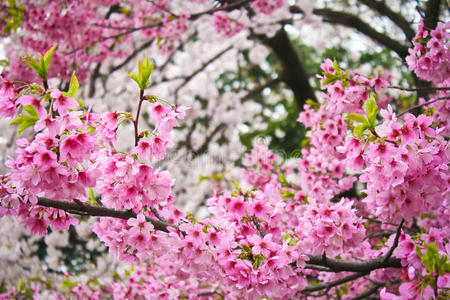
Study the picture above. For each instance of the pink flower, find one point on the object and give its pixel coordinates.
(238, 206)
(262, 245)
(29, 100)
(142, 149)
(62, 103)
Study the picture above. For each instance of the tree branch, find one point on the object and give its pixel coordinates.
(432, 10)
(294, 74)
(423, 104)
(201, 68)
(101, 211)
(204, 147)
(396, 18)
(395, 244)
(385, 261)
(369, 292)
(352, 21)
(258, 90)
(331, 284)
(424, 88)
(350, 266)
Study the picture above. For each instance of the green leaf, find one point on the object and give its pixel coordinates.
(336, 66)
(357, 117)
(4, 63)
(371, 108)
(73, 87)
(330, 79)
(31, 110)
(359, 130)
(21, 284)
(202, 178)
(48, 56)
(91, 196)
(25, 121)
(135, 77)
(32, 63)
(28, 122)
(145, 69)
(312, 103)
(246, 248)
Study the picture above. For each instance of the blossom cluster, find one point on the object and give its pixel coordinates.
(259, 240)
(430, 56)
(330, 229)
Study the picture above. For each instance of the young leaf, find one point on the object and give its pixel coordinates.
(371, 108)
(31, 110)
(135, 77)
(32, 63)
(359, 130)
(73, 87)
(357, 117)
(25, 121)
(336, 66)
(48, 56)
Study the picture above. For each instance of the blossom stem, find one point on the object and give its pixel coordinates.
(136, 120)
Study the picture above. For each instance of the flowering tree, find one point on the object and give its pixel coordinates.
(364, 211)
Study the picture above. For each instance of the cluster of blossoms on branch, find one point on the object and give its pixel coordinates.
(91, 31)
(273, 238)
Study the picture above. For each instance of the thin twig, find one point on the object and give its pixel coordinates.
(334, 283)
(425, 88)
(258, 226)
(369, 292)
(395, 244)
(136, 120)
(155, 212)
(423, 104)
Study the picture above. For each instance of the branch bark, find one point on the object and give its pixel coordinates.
(396, 18)
(331, 284)
(294, 74)
(100, 211)
(352, 21)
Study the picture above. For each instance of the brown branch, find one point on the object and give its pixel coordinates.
(395, 244)
(193, 17)
(157, 215)
(131, 56)
(258, 90)
(203, 66)
(331, 284)
(396, 18)
(424, 88)
(293, 74)
(258, 226)
(350, 266)
(101, 211)
(423, 104)
(204, 147)
(317, 268)
(432, 10)
(385, 261)
(369, 292)
(193, 74)
(136, 120)
(352, 21)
